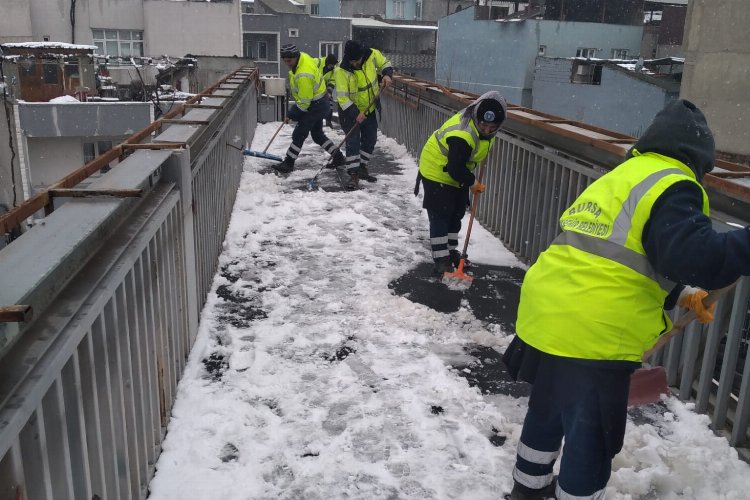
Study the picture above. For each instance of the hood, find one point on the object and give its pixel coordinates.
(470, 112)
(680, 131)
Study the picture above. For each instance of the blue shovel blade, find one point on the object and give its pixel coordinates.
(259, 154)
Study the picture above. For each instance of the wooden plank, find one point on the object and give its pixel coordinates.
(94, 193)
(15, 314)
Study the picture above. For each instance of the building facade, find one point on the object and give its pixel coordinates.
(610, 95)
(501, 55)
(717, 74)
(264, 34)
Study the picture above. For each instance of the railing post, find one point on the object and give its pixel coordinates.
(177, 169)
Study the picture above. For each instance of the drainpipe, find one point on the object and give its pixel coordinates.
(72, 21)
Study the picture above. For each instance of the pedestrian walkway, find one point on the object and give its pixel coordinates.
(329, 364)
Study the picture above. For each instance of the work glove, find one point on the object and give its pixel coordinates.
(477, 187)
(692, 299)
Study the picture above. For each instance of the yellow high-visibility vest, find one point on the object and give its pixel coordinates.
(593, 293)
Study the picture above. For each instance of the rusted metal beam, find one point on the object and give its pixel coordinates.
(94, 193)
(17, 215)
(205, 106)
(177, 121)
(156, 145)
(15, 314)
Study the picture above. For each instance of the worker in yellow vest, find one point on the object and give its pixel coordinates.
(446, 170)
(357, 94)
(311, 105)
(595, 301)
(327, 64)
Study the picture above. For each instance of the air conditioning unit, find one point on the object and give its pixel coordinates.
(275, 86)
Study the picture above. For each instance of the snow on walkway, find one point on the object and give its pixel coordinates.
(311, 379)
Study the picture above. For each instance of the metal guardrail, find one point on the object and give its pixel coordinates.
(116, 285)
(539, 165)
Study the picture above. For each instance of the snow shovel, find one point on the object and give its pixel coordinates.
(312, 183)
(267, 156)
(648, 384)
(458, 279)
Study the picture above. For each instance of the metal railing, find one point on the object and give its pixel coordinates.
(115, 285)
(537, 168)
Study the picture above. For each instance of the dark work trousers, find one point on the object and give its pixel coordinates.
(446, 206)
(588, 406)
(309, 123)
(361, 143)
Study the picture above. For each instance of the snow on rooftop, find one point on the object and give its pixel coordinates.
(366, 22)
(47, 45)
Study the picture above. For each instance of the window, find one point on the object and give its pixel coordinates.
(50, 73)
(542, 50)
(314, 9)
(118, 43)
(587, 53)
(418, 10)
(619, 53)
(262, 51)
(45, 38)
(398, 9)
(330, 48)
(585, 72)
(293, 32)
(93, 149)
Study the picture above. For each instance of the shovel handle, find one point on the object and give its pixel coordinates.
(687, 318)
(473, 210)
(274, 136)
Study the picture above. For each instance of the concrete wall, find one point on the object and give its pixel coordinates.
(52, 158)
(330, 8)
(83, 119)
(10, 175)
(15, 21)
(170, 27)
(179, 28)
(717, 69)
(432, 10)
(52, 18)
(355, 8)
(213, 68)
(621, 102)
(504, 60)
(312, 31)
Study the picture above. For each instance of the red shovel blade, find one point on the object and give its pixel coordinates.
(647, 385)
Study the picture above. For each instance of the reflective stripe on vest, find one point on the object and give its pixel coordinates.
(613, 246)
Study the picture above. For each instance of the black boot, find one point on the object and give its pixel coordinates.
(365, 175)
(285, 166)
(521, 492)
(337, 160)
(353, 182)
(443, 265)
(456, 258)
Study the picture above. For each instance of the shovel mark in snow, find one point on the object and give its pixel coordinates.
(229, 453)
(216, 364)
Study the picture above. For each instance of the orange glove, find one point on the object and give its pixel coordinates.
(477, 187)
(692, 298)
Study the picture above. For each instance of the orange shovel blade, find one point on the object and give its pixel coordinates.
(458, 278)
(647, 385)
